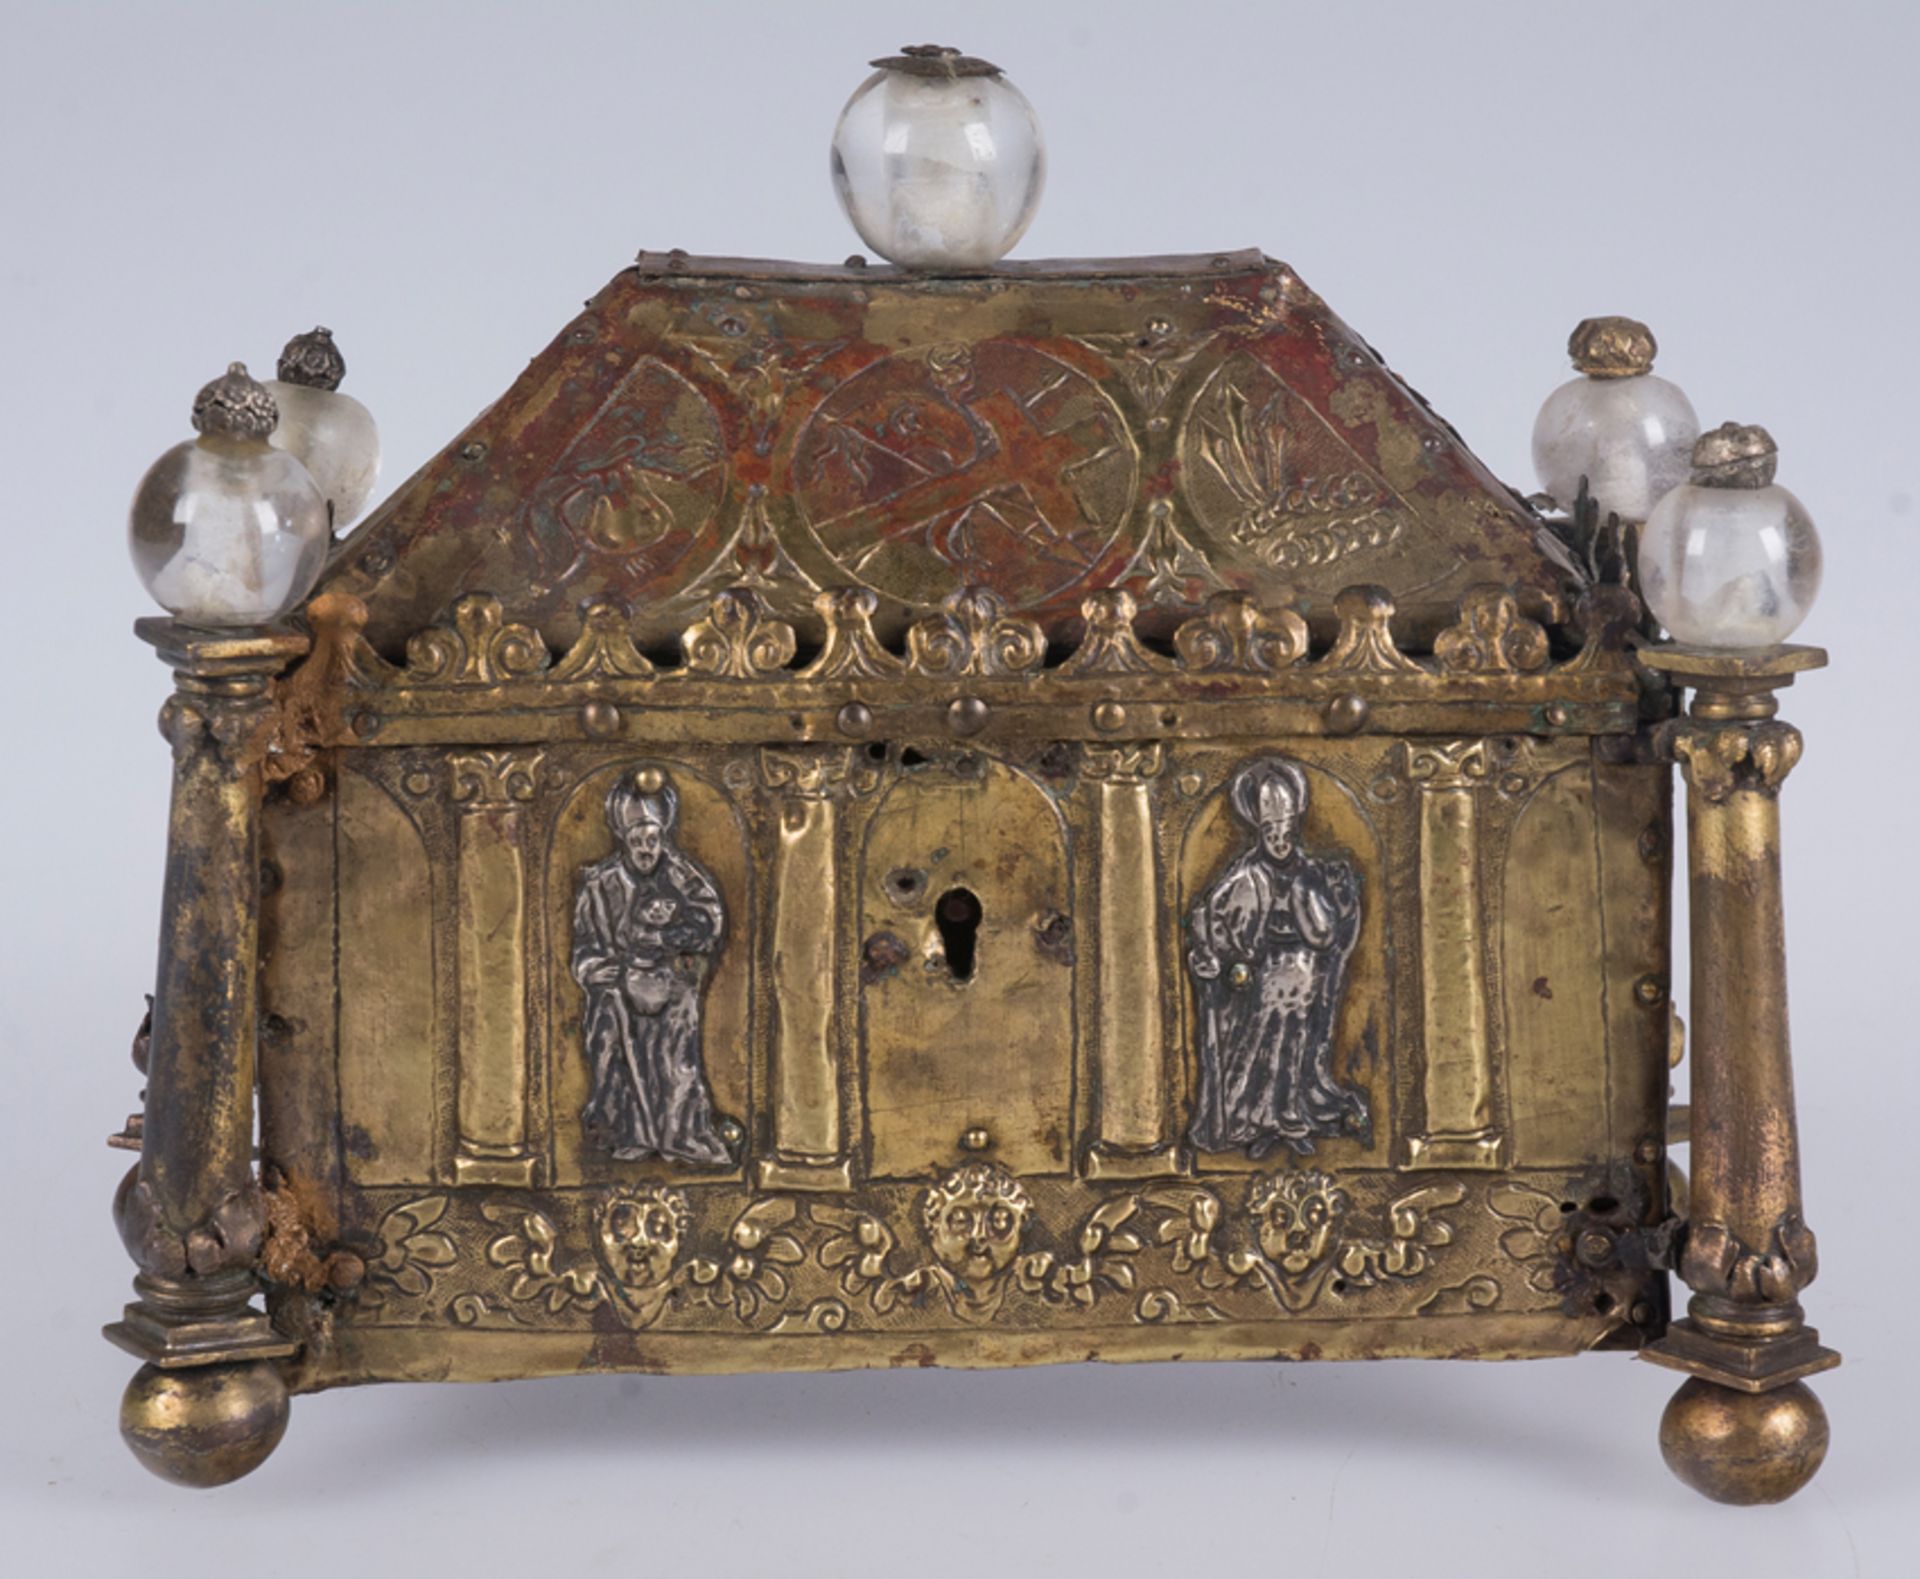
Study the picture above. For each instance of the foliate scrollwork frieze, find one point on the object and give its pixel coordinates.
(1720, 758)
(1491, 636)
(974, 635)
(479, 647)
(1236, 634)
(738, 640)
(970, 1247)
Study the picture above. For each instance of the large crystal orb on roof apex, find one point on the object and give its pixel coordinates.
(938, 160)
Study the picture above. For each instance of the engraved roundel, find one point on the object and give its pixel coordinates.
(991, 464)
(637, 482)
(1270, 484)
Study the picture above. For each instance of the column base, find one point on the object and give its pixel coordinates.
(513, 1173)
(173, 1326)
(1485, 1148)
(830, 1175)
(1758, 1365)
(1107, 1161)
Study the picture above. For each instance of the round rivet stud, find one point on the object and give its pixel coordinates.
(1109, 716)
(975, 1139)
(855, 719)
(1558, 715)
(366, 723)
(1345, 714)
(1594, 1247)
(1650, 990)
(966, 715)
(307, 786)
(650, 780)
(600, 719)
(1648, 1151)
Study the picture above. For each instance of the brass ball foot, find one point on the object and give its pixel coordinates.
(205, 1425)
(1744, 1448)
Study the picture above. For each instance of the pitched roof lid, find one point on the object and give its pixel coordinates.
(1174, 426)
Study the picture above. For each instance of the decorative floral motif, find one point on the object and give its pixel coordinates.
(478, 648)
(973, 634)
(1110, 646)
(1491, 637)
(605, 650)
(738, 640)
(851, 651)
(410, 1248)
(1365, 644)
(1235, 633)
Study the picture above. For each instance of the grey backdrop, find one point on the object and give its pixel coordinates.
(443, 185)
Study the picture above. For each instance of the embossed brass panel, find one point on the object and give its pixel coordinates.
(986, 1043)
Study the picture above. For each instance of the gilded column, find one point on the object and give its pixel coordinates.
(1130, 1037)
(809, 1145)
(490, 964)
(1455, 1032)
(1744, 1428)
(207, 1406)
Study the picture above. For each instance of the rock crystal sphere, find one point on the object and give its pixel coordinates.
(225, 530)
(938, 160)
(332, 434)
(1730, 559)
(1624, 430)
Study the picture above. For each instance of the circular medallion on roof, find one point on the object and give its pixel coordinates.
(639, 481)
(991, 464)
(1271, 486)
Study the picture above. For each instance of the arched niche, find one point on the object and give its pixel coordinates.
(1334, 824)
(710, 830)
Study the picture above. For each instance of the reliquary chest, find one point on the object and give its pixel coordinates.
(863, 819)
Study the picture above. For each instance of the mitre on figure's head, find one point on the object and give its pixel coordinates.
(1267, 790)
(647, 797)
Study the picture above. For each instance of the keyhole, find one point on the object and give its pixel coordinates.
(958, 918)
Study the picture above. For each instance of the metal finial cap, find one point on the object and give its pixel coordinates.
(936, 60)
(313, 360)
(1735, 455)
(1612, 347)
(236, 406)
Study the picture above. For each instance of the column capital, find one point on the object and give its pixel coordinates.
(1122, 761)
(1719, 757)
